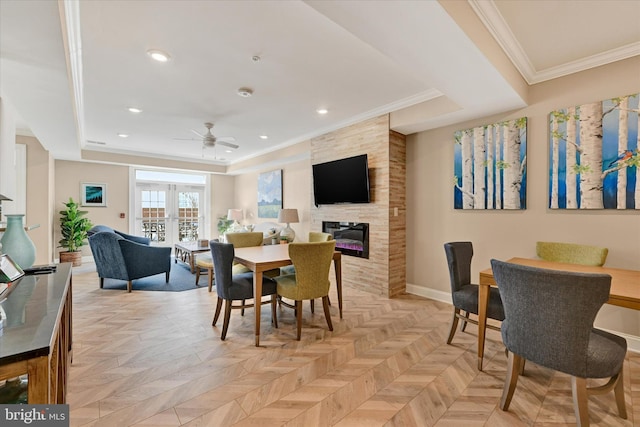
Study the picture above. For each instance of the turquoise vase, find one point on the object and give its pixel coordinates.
(16, 242)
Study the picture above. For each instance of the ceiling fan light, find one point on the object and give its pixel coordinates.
(158, 55)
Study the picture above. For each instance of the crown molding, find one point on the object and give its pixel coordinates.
(501, 32)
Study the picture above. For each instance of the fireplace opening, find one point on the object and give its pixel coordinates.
(352, 238)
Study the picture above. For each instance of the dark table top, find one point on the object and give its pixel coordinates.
(31, 314)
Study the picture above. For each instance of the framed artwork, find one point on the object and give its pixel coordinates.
(490, 166)
(93, 194)
(269, 194)
(593, 155)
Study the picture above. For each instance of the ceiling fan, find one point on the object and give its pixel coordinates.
(209, 140)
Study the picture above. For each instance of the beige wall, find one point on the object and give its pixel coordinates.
(432, 221)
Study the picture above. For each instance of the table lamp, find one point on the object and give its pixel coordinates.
(236, 215)
(288, 216)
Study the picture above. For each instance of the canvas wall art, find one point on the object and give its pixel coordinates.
(593, 155)
(269, 194)
(490, 166)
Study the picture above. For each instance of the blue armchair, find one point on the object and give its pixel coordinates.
(125, 257)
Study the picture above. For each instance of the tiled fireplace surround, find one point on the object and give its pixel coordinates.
(384, 272)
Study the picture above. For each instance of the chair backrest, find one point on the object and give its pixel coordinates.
(459, 255)
(549, 314)
(222, 255)
(245, 239)
(108, 255)
(317, 236)
(312, 262)
(572, 253)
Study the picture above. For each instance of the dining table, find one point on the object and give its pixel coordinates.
(624, 292)
(267, 257)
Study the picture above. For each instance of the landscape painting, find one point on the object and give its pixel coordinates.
(593, 155)
(490, 166)
(269, 194)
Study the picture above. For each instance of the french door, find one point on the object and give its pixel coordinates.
(169, 213)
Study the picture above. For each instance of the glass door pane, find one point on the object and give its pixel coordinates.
(190, 217)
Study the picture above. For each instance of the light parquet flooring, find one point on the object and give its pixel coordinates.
(153, 359)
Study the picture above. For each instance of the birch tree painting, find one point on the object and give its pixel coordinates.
(490, 166)
(594, 157)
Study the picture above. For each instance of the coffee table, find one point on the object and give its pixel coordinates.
(185, 252)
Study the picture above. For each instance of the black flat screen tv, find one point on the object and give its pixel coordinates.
(341, 181)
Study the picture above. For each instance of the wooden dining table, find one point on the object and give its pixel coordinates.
(263, 258)
(624, 292)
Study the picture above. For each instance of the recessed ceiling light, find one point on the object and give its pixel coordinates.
(264, 137)
(228, 151)
(135, 110)
(322, 111)
(158, 55)
(123, 135)
(245, 92)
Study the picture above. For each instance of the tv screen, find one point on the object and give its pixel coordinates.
(341, 181)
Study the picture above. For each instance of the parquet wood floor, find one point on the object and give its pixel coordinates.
(153, 359)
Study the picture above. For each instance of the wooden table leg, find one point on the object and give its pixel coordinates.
(257, 298)
(483, 305)
(337, 263)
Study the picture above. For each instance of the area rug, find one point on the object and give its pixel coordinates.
(180, 279)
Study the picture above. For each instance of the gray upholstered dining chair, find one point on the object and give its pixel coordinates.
(465, 294)
(568, 301)
(236, 287)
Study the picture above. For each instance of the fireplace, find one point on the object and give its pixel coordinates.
(352, 238)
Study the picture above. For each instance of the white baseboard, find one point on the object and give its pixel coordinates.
(633, 342)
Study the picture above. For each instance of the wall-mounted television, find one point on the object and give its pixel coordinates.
(341, 181)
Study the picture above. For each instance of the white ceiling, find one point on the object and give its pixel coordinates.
(71, 69)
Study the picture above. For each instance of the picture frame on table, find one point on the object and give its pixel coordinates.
(93, 194)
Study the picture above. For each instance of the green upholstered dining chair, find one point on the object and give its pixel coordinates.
(312, 262)
(314, 236)
(243, 240)
(571, 253)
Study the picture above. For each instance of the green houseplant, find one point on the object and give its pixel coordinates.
(73, 228)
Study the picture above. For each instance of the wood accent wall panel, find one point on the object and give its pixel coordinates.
(372, 137)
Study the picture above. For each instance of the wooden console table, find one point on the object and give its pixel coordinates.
(36, 337)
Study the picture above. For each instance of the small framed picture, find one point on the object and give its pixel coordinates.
(9, 270)
(93, 194)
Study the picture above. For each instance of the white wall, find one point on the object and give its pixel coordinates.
(432, 221)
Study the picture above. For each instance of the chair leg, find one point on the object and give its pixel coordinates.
(454, 324)
(129, 285)
(218, 309)
(619, 393)
(580, 401)
(274, 313)
(327, 313)
(510, 382)
(242, 309)
(313, 304)
(101, 282)
(299, 319)
(166, 279)
(197, 275)
(464, 324)
(210, 278)
(227, 316)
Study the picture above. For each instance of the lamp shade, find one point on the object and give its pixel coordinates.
(235, 214)
(288, 215)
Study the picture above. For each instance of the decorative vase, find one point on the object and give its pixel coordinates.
(16, 242)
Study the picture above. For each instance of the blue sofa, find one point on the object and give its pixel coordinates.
(125, 257)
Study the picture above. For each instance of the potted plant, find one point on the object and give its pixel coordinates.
(223, 225)
(73, 227)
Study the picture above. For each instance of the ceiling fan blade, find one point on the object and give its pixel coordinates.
(226, 138)
(197, 133)
(226, 144)
(185, 139)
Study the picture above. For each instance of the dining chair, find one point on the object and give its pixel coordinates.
(236, 287)
(572, 253)
(464, 294)
(314, 236)
(311, 278)
(568, 301)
